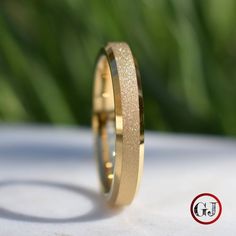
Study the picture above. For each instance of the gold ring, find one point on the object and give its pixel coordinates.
(118, 123)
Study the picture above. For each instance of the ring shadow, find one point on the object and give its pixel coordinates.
(100, 210)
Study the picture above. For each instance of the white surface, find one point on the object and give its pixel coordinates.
(49, 185)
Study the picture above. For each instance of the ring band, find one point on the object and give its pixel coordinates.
(118, 123)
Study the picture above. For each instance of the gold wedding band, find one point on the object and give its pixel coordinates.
(118, 123)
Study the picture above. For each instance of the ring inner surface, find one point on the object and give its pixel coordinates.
(104, 118)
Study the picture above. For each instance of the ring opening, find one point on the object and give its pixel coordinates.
(104, 122)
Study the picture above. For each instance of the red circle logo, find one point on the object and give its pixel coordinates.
(206, 208)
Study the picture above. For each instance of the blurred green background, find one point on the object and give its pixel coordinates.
(186, 52)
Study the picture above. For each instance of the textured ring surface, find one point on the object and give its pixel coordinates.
(118, 123)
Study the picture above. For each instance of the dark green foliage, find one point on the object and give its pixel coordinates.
(186, 51)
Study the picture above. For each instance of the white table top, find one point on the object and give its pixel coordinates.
(49, 185)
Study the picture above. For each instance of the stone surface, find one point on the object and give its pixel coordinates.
(49, 185)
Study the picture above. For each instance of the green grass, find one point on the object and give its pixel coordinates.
(186, 52)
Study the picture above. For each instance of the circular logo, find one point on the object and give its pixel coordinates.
(206, 208)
